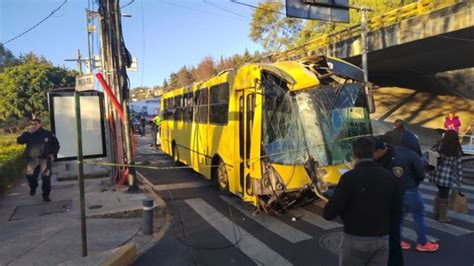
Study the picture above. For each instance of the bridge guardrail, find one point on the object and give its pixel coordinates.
(387, 19)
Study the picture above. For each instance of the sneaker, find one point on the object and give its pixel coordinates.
(46, 198)
(428, 247)
(405, 245)
(32, 191)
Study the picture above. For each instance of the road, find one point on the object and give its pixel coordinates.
(211, 228)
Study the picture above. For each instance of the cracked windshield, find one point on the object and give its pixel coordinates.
(332, 117)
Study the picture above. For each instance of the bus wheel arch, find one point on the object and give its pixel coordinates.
(175, 153)
(219, 173)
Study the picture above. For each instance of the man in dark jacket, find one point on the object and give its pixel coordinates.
(368, 199)
(400, 136)
(41, 147)
(408, 167)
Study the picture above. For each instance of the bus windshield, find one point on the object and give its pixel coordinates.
(321, 122)
(334, 117)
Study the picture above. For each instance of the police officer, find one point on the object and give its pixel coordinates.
(156, 135)
(407, 166)
(41, 147)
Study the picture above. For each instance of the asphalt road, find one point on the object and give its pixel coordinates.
(210, 228)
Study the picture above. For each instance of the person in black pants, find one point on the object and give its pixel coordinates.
(368, 199)
(41, 147)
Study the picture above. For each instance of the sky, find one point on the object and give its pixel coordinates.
(164, 35)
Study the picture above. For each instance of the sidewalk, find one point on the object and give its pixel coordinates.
(33, 232)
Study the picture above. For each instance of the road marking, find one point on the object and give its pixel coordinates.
(448, 228)
(432, 197)
(411, 234)
(180, 186)
(249, 245)
(435, 189)
(314, 219)
(271, 223)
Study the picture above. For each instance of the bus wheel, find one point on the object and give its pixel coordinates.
(222, 178)
(175, 155)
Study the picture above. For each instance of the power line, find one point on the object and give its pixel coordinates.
(37, 24)
(257, 7)
(202, 11)
(143, 47)
(225, 9)
(129, 3)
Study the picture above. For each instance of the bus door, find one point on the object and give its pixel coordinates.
(246, 121)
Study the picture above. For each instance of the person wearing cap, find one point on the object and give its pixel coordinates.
(395, 257)
(406, 165)
(368, 199)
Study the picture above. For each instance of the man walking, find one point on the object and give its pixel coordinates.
(407, 166)
(41, 147)
(368, 199)
(400, 136)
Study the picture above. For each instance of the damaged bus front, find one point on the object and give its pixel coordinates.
(308, 128)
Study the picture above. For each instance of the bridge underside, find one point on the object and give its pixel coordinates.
(450, 51)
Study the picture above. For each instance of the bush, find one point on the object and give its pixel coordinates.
(12, 161)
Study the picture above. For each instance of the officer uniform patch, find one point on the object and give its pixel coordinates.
(397, 171)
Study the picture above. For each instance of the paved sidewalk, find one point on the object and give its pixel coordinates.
(33, 232)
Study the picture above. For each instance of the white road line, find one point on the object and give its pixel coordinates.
(249, 245)
(432, 197)
(411, 234)
(435, 189)
(271, 223)
(314, 219)
(452, 214)
(448, 228)
(180, 186)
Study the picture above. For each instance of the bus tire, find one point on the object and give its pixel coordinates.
(222, 178)
(175, 155)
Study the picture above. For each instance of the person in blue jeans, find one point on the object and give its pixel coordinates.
(407, 165)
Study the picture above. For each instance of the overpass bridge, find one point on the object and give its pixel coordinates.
(418, 39)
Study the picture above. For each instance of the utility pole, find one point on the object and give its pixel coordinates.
(115, 66)
(79, 61)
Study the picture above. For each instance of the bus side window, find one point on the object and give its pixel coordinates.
(188, 107)
(201, 104)
(178, 110)
(219, 104)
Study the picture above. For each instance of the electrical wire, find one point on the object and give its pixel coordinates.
(225, 9)
(144, 42)
(129, 3)
(202, 11)
(37, 24)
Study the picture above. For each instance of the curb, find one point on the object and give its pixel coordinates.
(124, 255)
(160, 209)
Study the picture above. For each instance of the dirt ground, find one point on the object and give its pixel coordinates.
(423, 111)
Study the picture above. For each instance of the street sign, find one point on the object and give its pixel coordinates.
(85, 82)
(327, 10)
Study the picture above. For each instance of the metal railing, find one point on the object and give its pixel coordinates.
(390, 18)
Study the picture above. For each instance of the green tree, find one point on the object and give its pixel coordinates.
(276, 33)
(24, 87)
(271, 28)
(7, 59)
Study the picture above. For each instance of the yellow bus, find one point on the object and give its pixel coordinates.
(269, 133)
